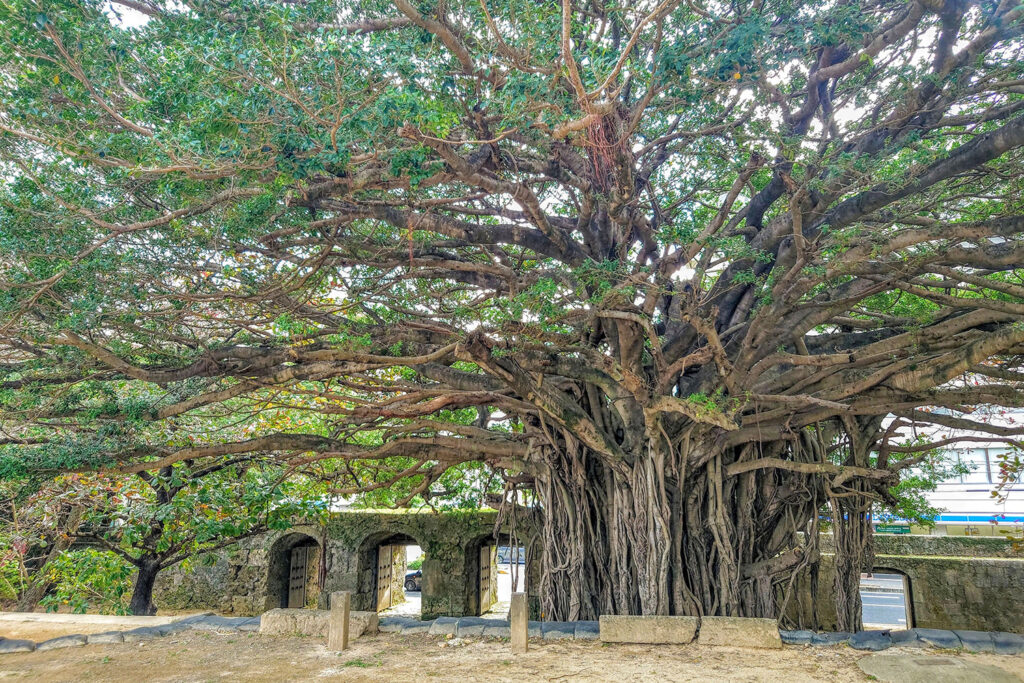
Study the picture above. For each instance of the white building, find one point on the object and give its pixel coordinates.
(966, 500)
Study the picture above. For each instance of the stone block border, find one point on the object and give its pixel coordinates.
(997, 642)
(201, 622)
(484, 627)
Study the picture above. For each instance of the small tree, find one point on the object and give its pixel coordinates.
(156, 519)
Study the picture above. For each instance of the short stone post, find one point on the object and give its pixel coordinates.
(519, 623)
(337, 632)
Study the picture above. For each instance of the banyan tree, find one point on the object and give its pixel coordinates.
(686, 276)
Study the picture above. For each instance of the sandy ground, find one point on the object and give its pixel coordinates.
(204, 656)
(43, 630)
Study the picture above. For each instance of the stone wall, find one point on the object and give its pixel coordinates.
(955, 582)
(246, 579)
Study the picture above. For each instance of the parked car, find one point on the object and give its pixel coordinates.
(505, 555)
(414, 580)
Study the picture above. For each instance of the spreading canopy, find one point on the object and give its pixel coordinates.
(669, 264)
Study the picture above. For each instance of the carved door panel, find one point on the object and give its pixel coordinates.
(384, 569)
(488, 555)
(297, 578)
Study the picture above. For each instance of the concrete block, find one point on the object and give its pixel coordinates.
(142, 633)
(587, 630)
(338, 620)
(250, 625)
(519, 623)
(936, 637)
(468, 627)
(12, 645)
(312, 622)
(363, 624)
(832, 638)
(655, 630)
(1005, 643)
(105, 638)
(503, 631)
(906, 639)
(559, 630)
(219, 623)
(414, 627)
(801, 637)
(76, 640)
(923, 668)
(739, 632)
(871, 640)
(394, 624)
(976, 641)
(444, 626)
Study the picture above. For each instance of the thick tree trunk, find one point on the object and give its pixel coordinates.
(142, 594)
(675, 533)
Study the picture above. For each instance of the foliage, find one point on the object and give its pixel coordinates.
(89, 579)
(669, 267)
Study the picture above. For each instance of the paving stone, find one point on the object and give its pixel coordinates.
(143, 633)
(587, 630)
(937, 637)
(415, 627)
(670, 630)
(11, 645)
(218, 623)
(739, 632)
(830, 638)
(394, 624)
(921, 668)
(502, 631)
(558, 630)
(249, 625)
(801, 637)
(976, 641)
(535, 629)
(870, 640)
(444, 626)
(106, 637)
(906, 639)
(474, 626)
(172, 628)
(76, 640)
(1008, 643)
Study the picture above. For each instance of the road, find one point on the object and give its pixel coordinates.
(884, 601)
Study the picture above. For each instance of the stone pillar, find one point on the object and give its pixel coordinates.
(519, 617)
(341, 605)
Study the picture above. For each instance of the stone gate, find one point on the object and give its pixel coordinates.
(347, 553)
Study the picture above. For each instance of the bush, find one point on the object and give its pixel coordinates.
(89, 578)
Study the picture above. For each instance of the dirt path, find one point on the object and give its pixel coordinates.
(199, 656)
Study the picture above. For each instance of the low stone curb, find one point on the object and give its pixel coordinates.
(997, 642)
(483, 627)
(206, 621)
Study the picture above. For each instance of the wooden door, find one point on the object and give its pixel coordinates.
(488, 554)
(385, 563)
(297, 578)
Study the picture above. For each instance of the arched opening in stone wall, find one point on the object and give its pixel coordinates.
(295, 572)
(496, 567)
(386, 583)
(886, 599)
